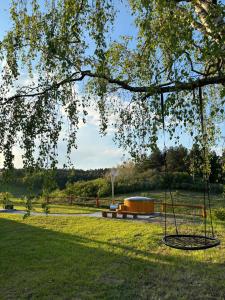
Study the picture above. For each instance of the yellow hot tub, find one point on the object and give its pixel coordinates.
(138, 204)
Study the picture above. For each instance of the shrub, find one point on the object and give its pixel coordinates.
(90, 188)
(138, 182)
(59, 193)
(219, 213)
(217, 188)
(5, 197)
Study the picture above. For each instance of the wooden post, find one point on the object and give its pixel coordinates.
(97, 202)
(204, 215)
(114, 214)
(163, 205)
(104, 214)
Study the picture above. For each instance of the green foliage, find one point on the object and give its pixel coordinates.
(22, 184)
(6, 199)
(176, 159)
(176, 47)
(154, 161)
(28, 200)
(219, 213)
(49, 183)
(180, 159)
(138, 182)
(93, 188)
(45, 208)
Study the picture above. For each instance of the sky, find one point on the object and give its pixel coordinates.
(94, 151)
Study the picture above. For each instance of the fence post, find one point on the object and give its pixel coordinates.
(97, 201)
(204, 214)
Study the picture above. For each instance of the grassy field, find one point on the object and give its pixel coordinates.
(181, 196)
(186, 197)
(88, 258)
(59, 208)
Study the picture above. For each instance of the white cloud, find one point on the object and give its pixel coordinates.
(218, 149)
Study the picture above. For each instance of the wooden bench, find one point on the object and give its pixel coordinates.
(106, 212)
(124, 213)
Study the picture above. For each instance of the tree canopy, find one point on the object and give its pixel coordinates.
(68, 45)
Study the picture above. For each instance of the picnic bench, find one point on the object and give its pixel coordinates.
(124, 213)
(106, 212)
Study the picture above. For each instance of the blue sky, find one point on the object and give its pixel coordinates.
(93, 150)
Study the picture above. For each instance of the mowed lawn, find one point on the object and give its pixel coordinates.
(89, 258)
(58, 208)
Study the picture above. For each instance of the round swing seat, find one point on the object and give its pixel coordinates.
(190, 242)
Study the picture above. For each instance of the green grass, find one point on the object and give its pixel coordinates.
(187, 197)
(89, 258)
(59, 208)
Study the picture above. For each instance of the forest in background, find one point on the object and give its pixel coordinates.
(184, 172)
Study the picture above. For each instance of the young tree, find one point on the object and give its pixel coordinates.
(177, 47)
(154, 161)
(194, 161)
(216, 167)
(176, 158)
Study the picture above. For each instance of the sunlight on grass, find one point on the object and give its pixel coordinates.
(90, 258)
(60, 209)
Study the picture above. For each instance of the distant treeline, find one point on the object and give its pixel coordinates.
(129, 181)
(21, 182)
(184, 170)
(180, 159)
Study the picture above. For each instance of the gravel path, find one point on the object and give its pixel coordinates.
(153, 219)
(22, 212)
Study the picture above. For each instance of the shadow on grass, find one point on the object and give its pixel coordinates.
(39, 263)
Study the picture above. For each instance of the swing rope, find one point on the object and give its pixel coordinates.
(201, 107)
(205, 176)
(189, 241)
(166, 171)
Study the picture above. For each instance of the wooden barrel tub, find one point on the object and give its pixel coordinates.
(139, 204)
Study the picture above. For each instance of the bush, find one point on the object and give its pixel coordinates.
(217, 188)
(58, 193)
(92, 188)
(5, 197)
(219, 213)
(138, 182)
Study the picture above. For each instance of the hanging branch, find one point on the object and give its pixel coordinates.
(150, 90)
